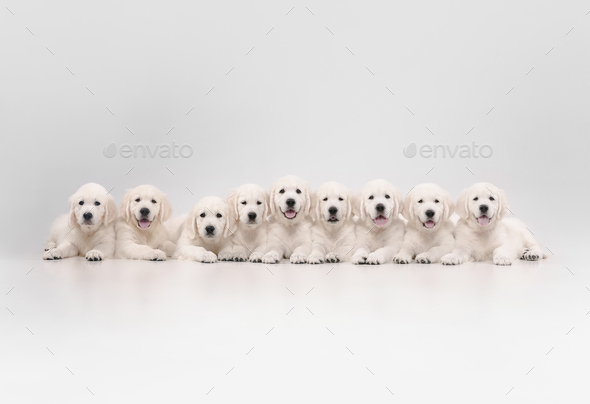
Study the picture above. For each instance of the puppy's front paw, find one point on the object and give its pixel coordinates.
(298, 259)
(332, 257)
(376, 259)
(256, 257)
(271, 258)
(94, 255)
(49, 246)
(315, 258)
(240, 257)
(209, 257)
(402, 259)
(156, 255)
(500, 259)
(424, 258)
(53, 254)
(451, 259)
(532, 255)
(226, 256)
(359, 258)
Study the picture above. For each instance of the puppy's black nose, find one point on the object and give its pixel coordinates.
(429, 213)
(87, 215)
(144, 211)
(333, 210)
(251, 215)
(380, 207)
(290, 202)
(483, 208)
(210, 229)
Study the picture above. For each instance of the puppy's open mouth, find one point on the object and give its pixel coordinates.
(380, 220)
(333, 219)
(429, 224)
(144, 223)
(483, 220)
(290, 214)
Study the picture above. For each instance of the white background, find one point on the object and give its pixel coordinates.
(328, 91)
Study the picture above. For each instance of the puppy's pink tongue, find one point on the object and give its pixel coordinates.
(483, 220)
(290, 214)
(144, 223)
(380, 220)
(429, 224)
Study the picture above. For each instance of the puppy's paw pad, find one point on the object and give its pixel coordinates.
(256, 257)
(157, 255)
(240, 257)
(423, 258)
(94, 255)
(502, 260)
(532, 255)
(298, 259)
(450, 259)
(226, 257)
(209, 257)
(271, 258)
(402, 259)
(332, 257)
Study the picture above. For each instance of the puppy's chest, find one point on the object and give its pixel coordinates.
(250, 239)
(484, 245)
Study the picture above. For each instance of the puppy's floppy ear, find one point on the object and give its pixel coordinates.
(271, 199)
(315, 211)
(398, 200)
(191, 225)
(408, 211)
(126, 206)
(110, 210)
(232, 201)
(462, 206)
(503, 207)
(349, 204)
(227, 221)
(266, 204)
(72, 215)
(449, 206)
(307, 193)
(359, 203)
(165, 209)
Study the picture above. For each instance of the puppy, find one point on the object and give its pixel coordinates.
(249, 207)
(482, 233)
(141, 233)
(332, 233)
(204, 237)
(379, 230)
(289, 229)
(88, 229)
(429, 231)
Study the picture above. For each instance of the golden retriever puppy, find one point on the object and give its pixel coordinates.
(379, 230)
(332, 233)
(204, 238)
(289, 229)
(249, 207)
(141, 234)
(429, 231)
(483, 233)
(87, 230)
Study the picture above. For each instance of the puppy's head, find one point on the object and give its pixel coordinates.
(144, 205)
(379, 201)
(483, 204)
(428, 205)
(332, 203)
(248, 204)
(290, 198)
(209, 219)
(91, 206)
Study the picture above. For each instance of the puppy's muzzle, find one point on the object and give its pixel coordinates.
(210, 230)
(252, 217)
(429, 224)
(332, 211)
(483, 219)
(144, 222)
(87, 218)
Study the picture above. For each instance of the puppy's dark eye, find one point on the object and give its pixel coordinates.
(154, 201)
(137, 200)
(298, 191)
(81, 202)
(492, 198)
(371, 197)
(436, 201)
(97, 203)
(420, 201)
(325, 199)
(219, 215)
(258, 203)
(203, 214)
(340, 199)
(476, 198)
(282, 191)
(244, 202)
(386, 196)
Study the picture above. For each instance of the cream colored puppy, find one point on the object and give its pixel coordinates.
(141, 234)
(429, 231)
(289, 229)
(332, 233)
(482, 233)
(249, 207)
(87, 230)
(204, 238)
(379, 230)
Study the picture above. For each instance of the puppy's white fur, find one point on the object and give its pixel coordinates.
(483, 235)
(429, 231)
(197, 243)
(332, 233)
(379, 230)
(289, 237)
(73, 235)
(144, 243)
(249, 208)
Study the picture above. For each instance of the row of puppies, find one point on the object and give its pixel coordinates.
(332, 225)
